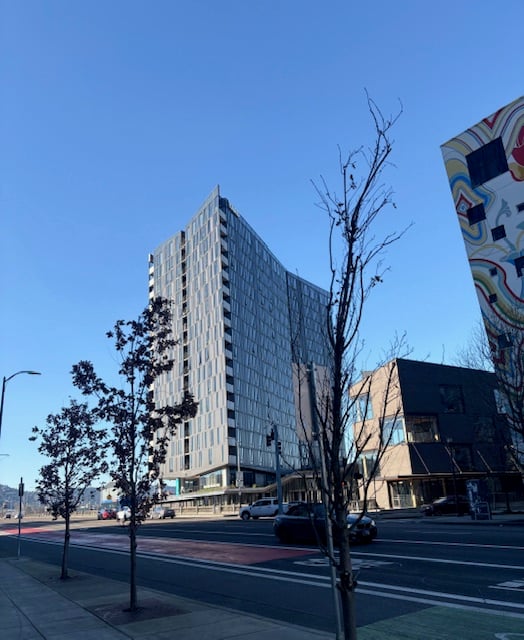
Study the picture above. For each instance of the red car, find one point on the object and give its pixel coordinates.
(106, 514)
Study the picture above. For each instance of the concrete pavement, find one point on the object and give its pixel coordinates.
(35, 605)
(497, 519)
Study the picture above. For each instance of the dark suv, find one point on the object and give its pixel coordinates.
(447, 505)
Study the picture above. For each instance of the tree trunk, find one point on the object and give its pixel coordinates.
(65, 551)
(346, 586)
(133, 601)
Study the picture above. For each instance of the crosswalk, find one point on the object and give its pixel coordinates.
(356, 563)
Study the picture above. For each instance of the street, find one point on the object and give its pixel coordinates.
(413, 565)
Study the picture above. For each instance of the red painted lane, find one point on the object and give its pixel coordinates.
(13, 530)
(216, 551)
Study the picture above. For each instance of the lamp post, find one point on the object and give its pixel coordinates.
(4, 382)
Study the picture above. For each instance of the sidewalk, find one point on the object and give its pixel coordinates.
(498, 520)
(35, 605)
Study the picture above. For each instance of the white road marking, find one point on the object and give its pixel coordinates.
(357, 564)
(490, 565)
(457, 544)
(510, 585)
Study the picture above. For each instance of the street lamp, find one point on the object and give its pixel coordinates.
(4, 382)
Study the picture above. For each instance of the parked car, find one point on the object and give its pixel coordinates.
(106, 514)
(306, 523)
(124, 514)
(161, 513)
(447, 505)
(13, 514)
(264, 508)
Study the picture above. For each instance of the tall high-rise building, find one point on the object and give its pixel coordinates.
(485, 167)
(244, 325)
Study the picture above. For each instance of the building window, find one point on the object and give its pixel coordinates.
(487, 162)
(493, 298)
(452, 398)
(493, 271)
(369, 464)
(500, 402)
(422, 429)
(519, 265)
(498, 232)
(485, 430)
(364, 408)
(476, 214)
(462, 457)
(393, 431)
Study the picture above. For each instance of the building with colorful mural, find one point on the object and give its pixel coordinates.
(485, 167)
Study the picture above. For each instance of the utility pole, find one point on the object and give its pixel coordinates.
(20, 495)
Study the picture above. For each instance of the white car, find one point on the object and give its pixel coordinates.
(264, 508)
(124, 514)
(161, 513)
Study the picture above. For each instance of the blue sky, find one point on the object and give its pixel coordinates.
(118, 118)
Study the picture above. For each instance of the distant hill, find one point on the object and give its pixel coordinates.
(9, 499)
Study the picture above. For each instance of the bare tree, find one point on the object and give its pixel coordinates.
(476, 353)
(356, 270)
(506, 343)
(498, 345)
(74, 447)
(140, 429)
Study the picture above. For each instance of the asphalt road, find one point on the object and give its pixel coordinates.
(412, 566)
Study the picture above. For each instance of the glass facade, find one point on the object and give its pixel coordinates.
(237, 316)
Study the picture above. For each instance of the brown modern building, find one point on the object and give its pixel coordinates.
(440, 428)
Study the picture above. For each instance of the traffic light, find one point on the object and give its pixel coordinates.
(268, 440)
(279, 447)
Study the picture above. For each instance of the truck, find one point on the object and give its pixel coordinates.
(264, 508)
